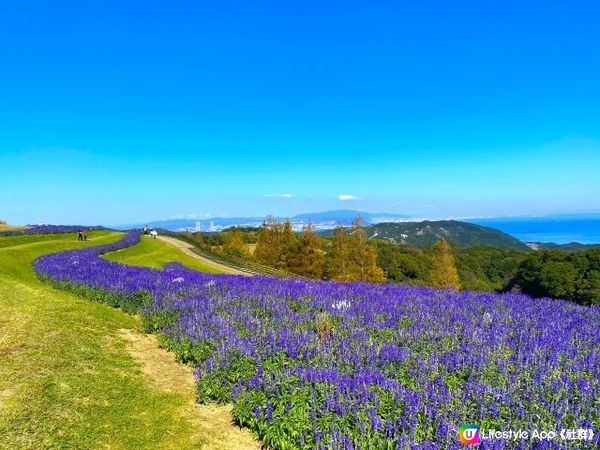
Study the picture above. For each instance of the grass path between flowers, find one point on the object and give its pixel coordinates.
(78, 374)
(156, 252)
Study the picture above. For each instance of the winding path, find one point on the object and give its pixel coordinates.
(188, 249)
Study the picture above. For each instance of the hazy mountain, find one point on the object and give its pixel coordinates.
(322, 220)
(569, 247)
(346, 216)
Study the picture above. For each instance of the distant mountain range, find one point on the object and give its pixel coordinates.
(398, 228)
(569, 247)
(322, 220)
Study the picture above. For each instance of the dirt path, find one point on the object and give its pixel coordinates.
(213, 422)
(187, 248)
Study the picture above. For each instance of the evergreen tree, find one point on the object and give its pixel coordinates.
(444, 273)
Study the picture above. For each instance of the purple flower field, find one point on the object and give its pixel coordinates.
(310, 364)
(45, 229)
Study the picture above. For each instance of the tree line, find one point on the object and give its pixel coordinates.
(551, 273)
(572, 276)
(348, 254)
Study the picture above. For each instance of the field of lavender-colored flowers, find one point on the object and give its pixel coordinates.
(312, 364)
(43, 229)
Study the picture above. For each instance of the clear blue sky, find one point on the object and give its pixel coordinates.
(114, 112)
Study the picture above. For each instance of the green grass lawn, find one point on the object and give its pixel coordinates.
(155, 253)
(78, 374)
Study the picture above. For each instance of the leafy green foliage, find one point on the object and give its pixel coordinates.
(486, 268)
(403, 264)
(550, 273)
(480, 267)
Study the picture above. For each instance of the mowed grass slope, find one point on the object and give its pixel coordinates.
(78, 374)
(155, 253)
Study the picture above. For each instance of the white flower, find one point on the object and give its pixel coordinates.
(342, 304)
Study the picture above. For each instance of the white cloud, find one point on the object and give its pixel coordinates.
(278, 196)
(347, 197)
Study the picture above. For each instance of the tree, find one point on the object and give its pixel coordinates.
(558, 279)
(287, 244)
(308, 257)
(235, 244)
(267, 245)
(588, 288)
(444, 273)
(352, 257)
(275, 244)
(363, 255)
(338, 266)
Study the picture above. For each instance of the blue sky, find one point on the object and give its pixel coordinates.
(113, 113)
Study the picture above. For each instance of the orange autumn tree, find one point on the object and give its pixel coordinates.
(235, 244)
(352, 257)
(308, 257)
(275, 244)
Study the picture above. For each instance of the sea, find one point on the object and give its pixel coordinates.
(556, 229)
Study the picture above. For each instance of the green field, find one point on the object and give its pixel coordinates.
(155, 253)
(79, 374)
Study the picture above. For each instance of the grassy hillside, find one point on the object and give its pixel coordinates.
(155, 253)
(6, 227)
(455, 232)
(78, 374)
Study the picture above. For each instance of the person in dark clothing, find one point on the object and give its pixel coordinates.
(79, 235)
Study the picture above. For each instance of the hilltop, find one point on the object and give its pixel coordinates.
(455, 232)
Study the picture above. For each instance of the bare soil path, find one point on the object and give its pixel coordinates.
(213, 422)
